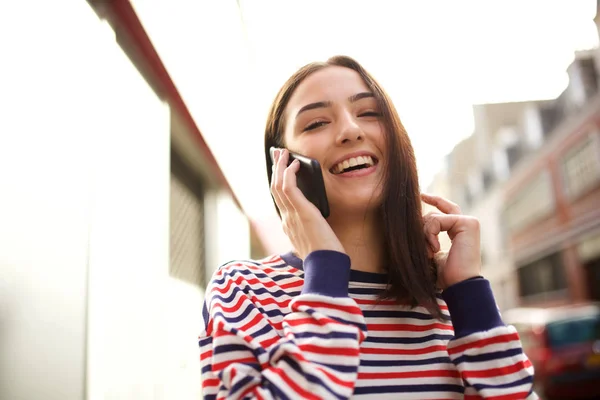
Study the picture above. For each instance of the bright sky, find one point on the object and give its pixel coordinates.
(435, 59)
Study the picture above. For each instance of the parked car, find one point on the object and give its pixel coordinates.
(563, 343)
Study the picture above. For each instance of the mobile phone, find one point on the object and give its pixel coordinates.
(309, 179)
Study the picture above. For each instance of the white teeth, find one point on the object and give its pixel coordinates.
(352, 162)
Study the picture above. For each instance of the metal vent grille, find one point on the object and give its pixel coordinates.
(187, 242)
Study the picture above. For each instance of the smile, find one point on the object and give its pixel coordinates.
(355, 166)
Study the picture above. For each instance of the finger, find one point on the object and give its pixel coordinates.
(438, 223)
(442, 204)
(434, 243)
(294, 195)
(455, 224)
(429, 228)
(277, 182)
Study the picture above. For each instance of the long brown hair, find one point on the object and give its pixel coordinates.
(411, 274)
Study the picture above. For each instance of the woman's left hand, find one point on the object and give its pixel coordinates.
(464, 258)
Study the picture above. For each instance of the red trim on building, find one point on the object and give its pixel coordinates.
(124, 18)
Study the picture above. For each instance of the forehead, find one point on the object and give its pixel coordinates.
(332, 83)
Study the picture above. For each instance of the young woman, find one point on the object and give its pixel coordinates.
(358, 309)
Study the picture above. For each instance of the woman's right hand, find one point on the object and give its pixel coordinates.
(302, 221)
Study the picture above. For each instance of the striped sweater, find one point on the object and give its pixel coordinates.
(278, 329)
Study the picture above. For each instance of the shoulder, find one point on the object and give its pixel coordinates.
(239, 285)
(251, 272)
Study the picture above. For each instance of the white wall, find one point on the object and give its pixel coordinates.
(86, 305)
(228, 231)
(129, 241)
(47, 116)
(204, 48)
(498, 267)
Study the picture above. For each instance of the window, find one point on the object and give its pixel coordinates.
(581, 167)
(542, 276)
(187, 243)
(534, 201)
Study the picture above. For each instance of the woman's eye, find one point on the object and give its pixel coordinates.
(370, 114)
(314, 125)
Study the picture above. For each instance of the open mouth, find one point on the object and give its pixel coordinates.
(353, 164)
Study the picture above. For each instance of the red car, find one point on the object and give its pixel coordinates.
(563, 343)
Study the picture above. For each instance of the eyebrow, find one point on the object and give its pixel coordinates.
(324, 104)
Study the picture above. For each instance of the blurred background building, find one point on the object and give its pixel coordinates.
(114, 215)
(531, 173)
(114, 210)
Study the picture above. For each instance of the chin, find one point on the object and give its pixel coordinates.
(354, 204)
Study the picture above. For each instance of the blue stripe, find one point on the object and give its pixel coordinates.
(409, 389)
(489, 356)
(210, 397)
(239, 318)
(205, 315)
(309, 377)
(205, 341)
(206, 369)
(224, 348)
(524, 381)
(239, 385)
(247, 310)
(409, 340)
(262, 331)
(232, 273)
(362, 327)
(330, 335)
(282, 276)
(404, 362)
(258, 291)
(272, 388)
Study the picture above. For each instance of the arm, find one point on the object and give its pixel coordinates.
(487, 353)
(317, 356)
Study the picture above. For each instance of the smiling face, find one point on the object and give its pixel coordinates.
(334, 118)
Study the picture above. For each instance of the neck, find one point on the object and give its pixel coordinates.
(362, 239)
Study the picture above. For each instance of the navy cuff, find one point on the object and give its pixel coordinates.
(472, 307)
(326, 272)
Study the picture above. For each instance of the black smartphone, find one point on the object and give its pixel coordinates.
(309, 179)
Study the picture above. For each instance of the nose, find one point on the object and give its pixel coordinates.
(349, 130)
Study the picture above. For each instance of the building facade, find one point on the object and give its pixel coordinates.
(114, 210)
(531, 174)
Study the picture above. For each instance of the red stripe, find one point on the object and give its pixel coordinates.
(213, 382)
(408, 327)
(292, 285)
(224, 364)
(240, 303)
(270, 300)
(335, 379)
(293, 385)
(410, 374)
(205, 355)
(336, 351)
(424, 350)
(484, 342)
(312, 321)
(265, 344)
(501, 371)
(243, 279)
(350, 309)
